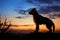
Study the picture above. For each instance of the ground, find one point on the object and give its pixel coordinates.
(30, 36)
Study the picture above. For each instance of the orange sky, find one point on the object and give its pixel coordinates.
(29, 21)
(31, 26)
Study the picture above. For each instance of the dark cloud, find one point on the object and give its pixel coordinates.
(57, 15)
(22, 11)
(43, 1)
(44, 7)
(18, 17)
(48, 9)
(40, 1)
(55, 10)
(22, 16)
(54, 16)
(25, 25)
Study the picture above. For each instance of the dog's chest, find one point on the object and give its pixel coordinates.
(36, 20)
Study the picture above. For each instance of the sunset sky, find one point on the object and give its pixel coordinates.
(17, 11)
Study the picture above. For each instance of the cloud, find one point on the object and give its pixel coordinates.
(19, 17)
(52, 11)
(43, 1)
(23, 16)
(54, 16)
(44, 7)
(22, 11)
(48, 9)
(57, 15)
(25, 25)
(45, 10)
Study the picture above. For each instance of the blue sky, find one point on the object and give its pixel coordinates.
(7, 7)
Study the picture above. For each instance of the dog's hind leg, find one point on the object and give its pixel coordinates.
(49, 28)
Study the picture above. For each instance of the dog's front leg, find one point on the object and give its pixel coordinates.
(37, 27)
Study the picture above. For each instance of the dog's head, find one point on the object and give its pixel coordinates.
(32, 11)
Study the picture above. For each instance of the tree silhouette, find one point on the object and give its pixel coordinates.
(4, 26)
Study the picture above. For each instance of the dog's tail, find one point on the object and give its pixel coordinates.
(53, 28)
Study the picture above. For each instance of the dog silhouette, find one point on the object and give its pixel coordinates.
(38, 19)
